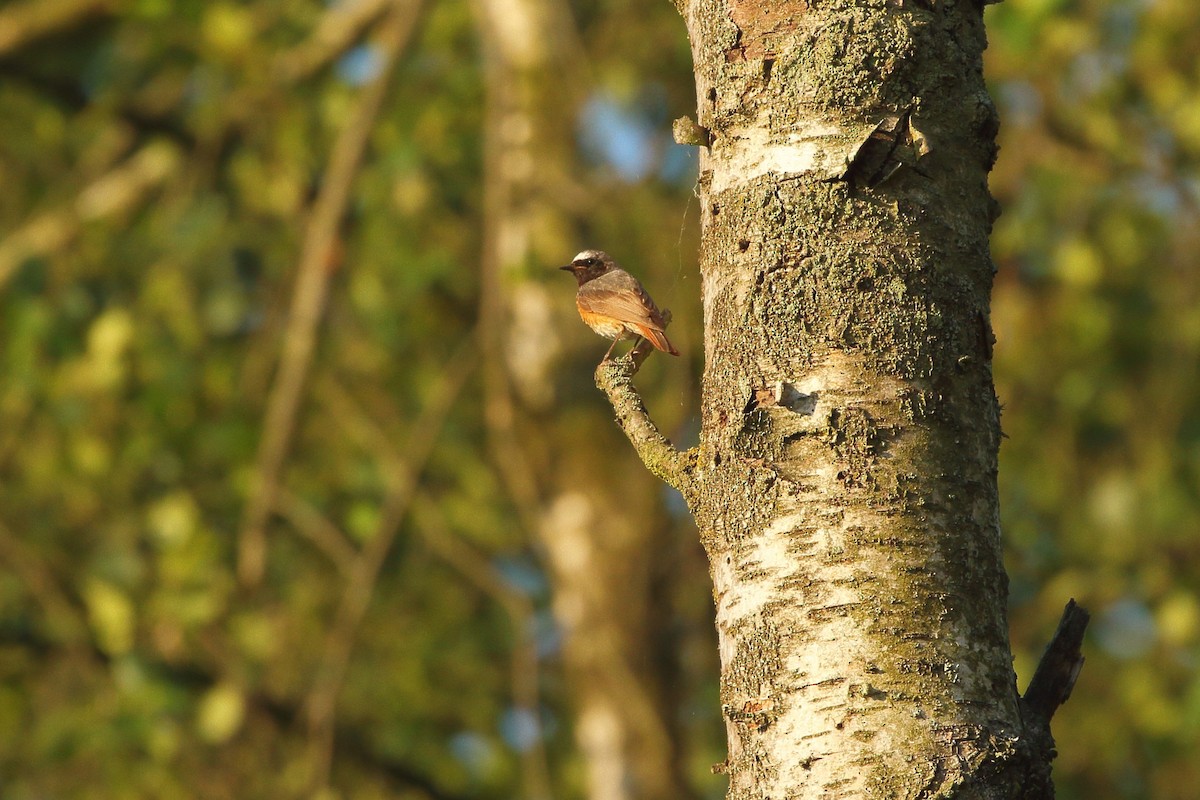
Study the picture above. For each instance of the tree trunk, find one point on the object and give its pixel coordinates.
(845, 481)
(593, 523)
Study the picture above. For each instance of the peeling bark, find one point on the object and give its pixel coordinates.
(845, 480)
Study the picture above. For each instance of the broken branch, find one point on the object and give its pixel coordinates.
(1056, 672)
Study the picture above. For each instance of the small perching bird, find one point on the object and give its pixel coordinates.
(614, 304)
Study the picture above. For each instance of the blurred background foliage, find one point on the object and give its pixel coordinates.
(165, 166)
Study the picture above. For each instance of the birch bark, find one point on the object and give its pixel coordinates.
(845, 480)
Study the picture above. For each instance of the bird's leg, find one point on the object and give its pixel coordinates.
(610, 349)
(640, 352)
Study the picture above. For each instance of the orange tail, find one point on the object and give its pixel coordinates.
(658, 339)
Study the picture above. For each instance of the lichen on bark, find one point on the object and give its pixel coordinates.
(845, 480)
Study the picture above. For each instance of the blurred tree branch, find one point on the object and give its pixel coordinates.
(283, 712)
(525, 672)
(360, 586)
(314, 526)
(22, 23)
(144, 117)
(593, 526)
(61, 613)
(114, 193)
(308, 300)
(339, 27)
(462, 557)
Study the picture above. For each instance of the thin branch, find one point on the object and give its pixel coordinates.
(314, 526)
(398, 776)
(522, 44)
(615, 379)
(43, 586)
(113, 193)
(526, 681)
(360, 587)
(19, 413)
(308, 299)
(22, 23)
(1056, 673)
(142, 116)
(360, 425)
(339, 27)
(507, 449)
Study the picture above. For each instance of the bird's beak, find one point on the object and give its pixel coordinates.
(569, 267)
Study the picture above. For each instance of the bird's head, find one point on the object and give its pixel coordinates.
(590, 264)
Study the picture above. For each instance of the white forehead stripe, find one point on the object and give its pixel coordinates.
(585, 254)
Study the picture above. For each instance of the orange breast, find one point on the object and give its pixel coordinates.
(606, 326)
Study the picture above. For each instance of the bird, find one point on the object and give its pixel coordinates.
(614, 304)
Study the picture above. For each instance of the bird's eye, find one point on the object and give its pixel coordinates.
(591, 262)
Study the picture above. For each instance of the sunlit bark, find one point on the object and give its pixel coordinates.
(845, 481)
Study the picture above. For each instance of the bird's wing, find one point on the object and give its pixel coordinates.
(622, 297)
